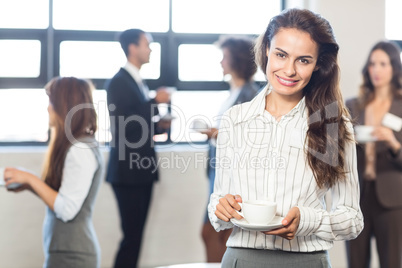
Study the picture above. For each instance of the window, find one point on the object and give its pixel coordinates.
(26, 117)
(188, 106)
(19, 14)
(116, 15)
(199, 63)
(20, 58)
(223, 16)
(94, 59)
(103, 134)
(79, 38)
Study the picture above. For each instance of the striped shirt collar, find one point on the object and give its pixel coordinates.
(257, 107)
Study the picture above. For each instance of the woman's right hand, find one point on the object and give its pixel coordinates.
(228, 207)
(15, 175)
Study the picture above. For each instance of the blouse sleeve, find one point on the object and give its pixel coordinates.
(79, 168)
(223, 172)
(345, 220)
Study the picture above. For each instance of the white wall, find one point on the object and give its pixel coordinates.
(357, 25)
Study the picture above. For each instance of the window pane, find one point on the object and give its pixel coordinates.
(20, 125)
(90, 59)
(29, 14)
(207, 16)
(185, 112)
(200, 63)
(20, 58)
(106, 15)
(24, 118)
(393, 19)
(103, 133)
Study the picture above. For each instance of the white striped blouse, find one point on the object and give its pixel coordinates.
(261, 158)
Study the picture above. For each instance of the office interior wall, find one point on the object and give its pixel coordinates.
(357, 25)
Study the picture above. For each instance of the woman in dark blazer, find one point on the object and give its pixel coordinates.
(380, 159)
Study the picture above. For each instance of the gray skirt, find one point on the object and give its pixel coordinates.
(71, 260)
(263, 258)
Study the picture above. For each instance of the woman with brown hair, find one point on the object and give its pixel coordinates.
(292, 144)
(237, 62)
(72, 173)
(379, 158)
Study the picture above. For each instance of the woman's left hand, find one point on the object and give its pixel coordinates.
(290, 225)
(387, 135)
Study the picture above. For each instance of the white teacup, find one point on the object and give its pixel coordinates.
(258, 211)
(364, 133)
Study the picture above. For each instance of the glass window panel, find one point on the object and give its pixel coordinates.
(24, 118)
(20, 58)
(223, 16)
(103, 133)
(200, 63)
(28, 14)
(185, 112)
(20, 125)
(393, 19)
(93, 59)
(106, 15)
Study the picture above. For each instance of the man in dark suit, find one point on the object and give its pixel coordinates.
(132, 166)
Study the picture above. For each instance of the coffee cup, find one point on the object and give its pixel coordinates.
(363, 133)
(258, 211)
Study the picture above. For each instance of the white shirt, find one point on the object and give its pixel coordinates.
(79, 169)
(260, 158)
(135, 73)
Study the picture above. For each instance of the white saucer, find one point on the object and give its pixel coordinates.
(275, 223)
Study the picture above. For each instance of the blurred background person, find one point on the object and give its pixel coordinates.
(237, 63)
(72, 174)
(128, 100)
(379, 159)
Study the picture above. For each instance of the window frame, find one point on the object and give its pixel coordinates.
(51, 39)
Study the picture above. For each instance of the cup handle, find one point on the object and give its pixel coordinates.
(240, 212)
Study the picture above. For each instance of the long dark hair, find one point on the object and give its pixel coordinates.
(366, 92)
(326, 151)
(65, 94)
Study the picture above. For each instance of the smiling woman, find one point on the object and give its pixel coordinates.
(301, 103)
